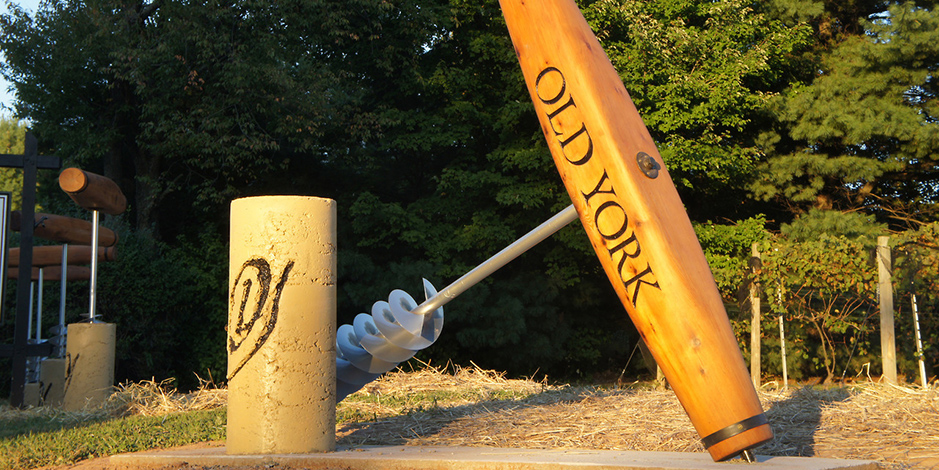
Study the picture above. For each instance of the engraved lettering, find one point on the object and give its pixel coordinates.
(611, 219)
(596, 220)
(560, 93)
(639, 281)
(598, 190)
(587, 153)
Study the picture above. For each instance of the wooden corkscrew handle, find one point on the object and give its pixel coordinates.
(635, 220)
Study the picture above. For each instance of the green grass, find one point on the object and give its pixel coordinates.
(59, 440)
(29, 440)
(46, 436)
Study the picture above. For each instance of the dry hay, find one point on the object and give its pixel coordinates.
(147, 398)
(151, 398)
(896, 426)
(452, 378)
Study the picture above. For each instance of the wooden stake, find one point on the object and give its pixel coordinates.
(52, 255)
(755, 317)
(54, 273)
(61, 229)
(888, 347)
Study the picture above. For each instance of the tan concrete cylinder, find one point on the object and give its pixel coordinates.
(90, 355)
(282, 326)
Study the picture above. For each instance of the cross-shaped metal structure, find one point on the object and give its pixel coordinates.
(30, 161)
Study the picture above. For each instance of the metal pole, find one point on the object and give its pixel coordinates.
(919, 345)
(782, 347)
(94, 265)
(29, 323)
(755, 317)
(39, 307)
(782, 333)
(500, 259)
(62, 285)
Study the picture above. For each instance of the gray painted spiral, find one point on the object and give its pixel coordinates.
(376, 343)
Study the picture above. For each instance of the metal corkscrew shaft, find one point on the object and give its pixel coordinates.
(395, 330)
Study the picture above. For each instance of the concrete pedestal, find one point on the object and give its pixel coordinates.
(90, 357)
(31, 394)
(473, 458)
(282, 326)
(52, 378)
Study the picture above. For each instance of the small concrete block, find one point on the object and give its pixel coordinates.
(474, 458)
(31, 394)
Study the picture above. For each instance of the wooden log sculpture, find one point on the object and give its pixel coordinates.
(92, 191)
(54, 273)
(62, 229)
(635, 221)
(52, 255)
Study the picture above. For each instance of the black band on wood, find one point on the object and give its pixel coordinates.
(734, 429)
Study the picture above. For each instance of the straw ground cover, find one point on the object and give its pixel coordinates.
(896, 426)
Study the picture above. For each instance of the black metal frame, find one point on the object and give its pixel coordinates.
(30, 161)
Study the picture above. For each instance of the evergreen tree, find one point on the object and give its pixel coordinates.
(863, 135)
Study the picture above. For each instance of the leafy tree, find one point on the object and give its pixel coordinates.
(701, 75)
(12, 135)
(828, 287)
(189, 104)
(916, 273)
(728, 251)
(12, 138)
(414, 116)
(464, 171)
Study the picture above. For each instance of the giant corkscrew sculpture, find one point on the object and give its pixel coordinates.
(636, 223)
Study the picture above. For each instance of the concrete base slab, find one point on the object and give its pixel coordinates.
(470, 458)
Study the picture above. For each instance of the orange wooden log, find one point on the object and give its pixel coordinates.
(62, 229)
(54, 273)
(635, 221)
(52, 255)
(93, 191)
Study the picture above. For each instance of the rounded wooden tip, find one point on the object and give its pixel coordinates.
(73, 180)
(93, 191)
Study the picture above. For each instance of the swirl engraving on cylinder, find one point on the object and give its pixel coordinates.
(256, 316)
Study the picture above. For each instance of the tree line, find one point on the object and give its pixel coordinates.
(796, 118)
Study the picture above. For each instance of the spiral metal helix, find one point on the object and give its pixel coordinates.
(397, 329)
(376, 343)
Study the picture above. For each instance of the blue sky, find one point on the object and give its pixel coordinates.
(6, 97)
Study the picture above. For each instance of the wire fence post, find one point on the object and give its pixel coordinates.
(755, 317)
(888, 348)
